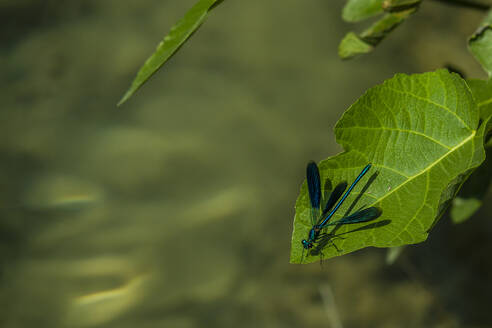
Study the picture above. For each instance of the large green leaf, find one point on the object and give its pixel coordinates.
(172, 42)
(480, 45)
(422, 135)
(470, 197)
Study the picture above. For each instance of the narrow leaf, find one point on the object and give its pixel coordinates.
(178, 34)
(422, 135)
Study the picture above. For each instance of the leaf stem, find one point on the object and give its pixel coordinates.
(467, 3)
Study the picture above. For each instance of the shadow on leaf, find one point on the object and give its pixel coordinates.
(327, 239)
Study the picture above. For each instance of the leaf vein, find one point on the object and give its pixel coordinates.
(437, 161)
(485, 102)
(432, 103)
(398, 130)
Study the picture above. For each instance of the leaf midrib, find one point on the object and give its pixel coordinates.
(398, 130)
(437, 161)
(416, 175)
(410, 178)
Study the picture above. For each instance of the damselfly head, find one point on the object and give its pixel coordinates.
(306, 244)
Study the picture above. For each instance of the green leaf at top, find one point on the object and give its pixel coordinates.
(480, 45)
(421, 133)
(353, 45)
(178, 34)
(357, 10)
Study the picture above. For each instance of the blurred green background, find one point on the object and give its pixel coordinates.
(176, 209)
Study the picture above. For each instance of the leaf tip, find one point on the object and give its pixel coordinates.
(352, 45)
(125, 97)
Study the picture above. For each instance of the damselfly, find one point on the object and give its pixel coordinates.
(320, 221)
